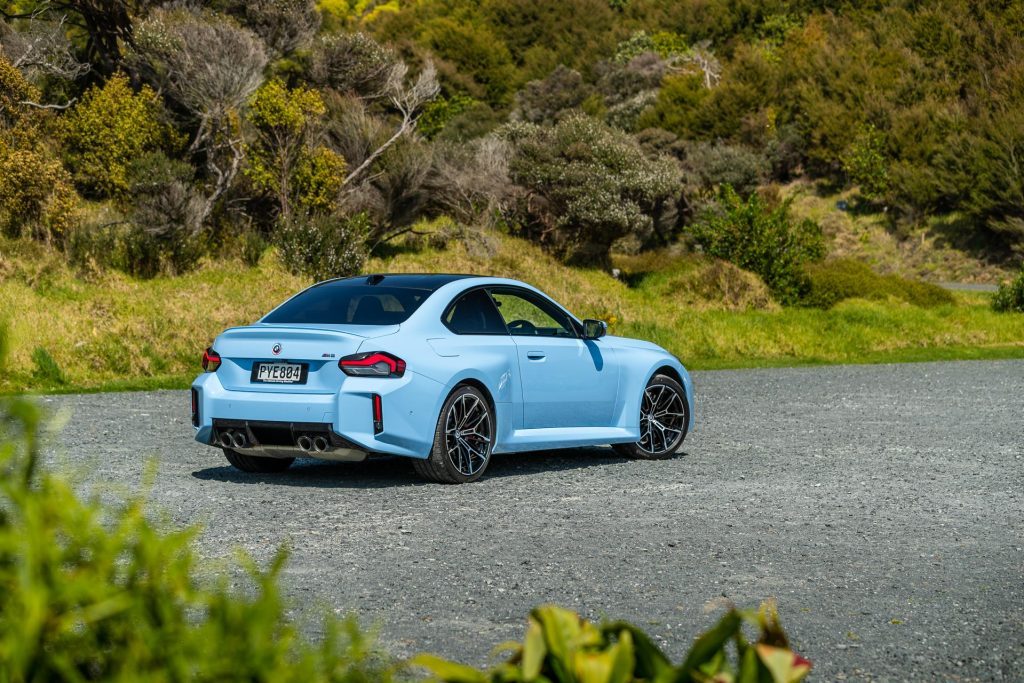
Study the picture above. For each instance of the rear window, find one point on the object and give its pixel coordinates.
(344, 303)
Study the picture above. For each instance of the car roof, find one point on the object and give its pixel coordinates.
(429, 281)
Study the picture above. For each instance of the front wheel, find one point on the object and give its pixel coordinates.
(462, 440)
(256, 464)
(664, 419)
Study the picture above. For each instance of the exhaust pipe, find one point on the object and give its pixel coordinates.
(225, 439)
(305, 443)
(239, 439)
(320, 444)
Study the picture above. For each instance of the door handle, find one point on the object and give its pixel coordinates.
(535, 355)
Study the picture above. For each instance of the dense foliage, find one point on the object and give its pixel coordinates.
(585, 125)
(1010, 296)
(94, 590)
(761, 238)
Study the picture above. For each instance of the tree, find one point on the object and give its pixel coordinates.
(284, 160)
(208, 67)
(107, 130)
(587, 185)
(284, 25)
(106, 25)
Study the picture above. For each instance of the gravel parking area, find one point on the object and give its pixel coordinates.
(880, 505)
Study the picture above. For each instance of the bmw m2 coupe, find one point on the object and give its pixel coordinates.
(442, 369)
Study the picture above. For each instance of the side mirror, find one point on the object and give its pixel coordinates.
(594, 329)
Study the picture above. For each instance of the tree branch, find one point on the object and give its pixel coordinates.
(59, 107)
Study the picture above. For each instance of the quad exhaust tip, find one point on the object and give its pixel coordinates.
(310, 443)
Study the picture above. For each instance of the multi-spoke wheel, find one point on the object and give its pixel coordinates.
(462, 441)
(664, 419)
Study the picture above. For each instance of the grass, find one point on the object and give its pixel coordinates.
(113, 332)
(934, 251)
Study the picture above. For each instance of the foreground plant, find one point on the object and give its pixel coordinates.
(560, 646)
(91, 590)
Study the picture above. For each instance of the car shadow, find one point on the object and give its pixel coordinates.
(387, 472)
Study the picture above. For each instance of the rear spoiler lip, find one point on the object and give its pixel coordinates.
(271, 328)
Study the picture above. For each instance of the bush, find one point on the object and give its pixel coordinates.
(323, 246)
(832, 281)
(132, 249)
(36, 196)
(283, 162)
(1010, 297)
(762, 239)
(92, 590)
(560, 646)
(708, 166)
(107, 130)
(589, 185)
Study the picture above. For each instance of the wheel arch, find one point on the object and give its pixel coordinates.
(476, 384)
(668, 371)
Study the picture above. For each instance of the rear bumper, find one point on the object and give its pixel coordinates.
(409, 410)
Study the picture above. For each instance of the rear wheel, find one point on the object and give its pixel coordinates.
(462, 440)
(664, 419)
(256, 464)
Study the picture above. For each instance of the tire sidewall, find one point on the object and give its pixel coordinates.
(670, 382)
(439, 453)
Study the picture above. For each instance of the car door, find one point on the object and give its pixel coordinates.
(566, 381)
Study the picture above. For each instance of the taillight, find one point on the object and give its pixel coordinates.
(378, 414)
(195, 408)
(372, 364)
(211, 360)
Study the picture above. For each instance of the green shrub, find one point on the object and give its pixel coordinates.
(761, 238)
(832, 281)
(133, 249)
(36, 196)
(111, 127)
(588, 186)
(283, 161)
(866, 165)
(560, 647)
(1010, 296)
(709, 166)
(93, 590)
(323, 246)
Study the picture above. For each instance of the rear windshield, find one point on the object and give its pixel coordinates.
(344, 303)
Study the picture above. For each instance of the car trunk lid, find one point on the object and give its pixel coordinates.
(318, 347)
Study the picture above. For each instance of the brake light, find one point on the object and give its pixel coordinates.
(211, 360)
(378, 414)
(372, 364)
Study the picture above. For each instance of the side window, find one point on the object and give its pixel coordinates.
(528, 316)
(474, 313)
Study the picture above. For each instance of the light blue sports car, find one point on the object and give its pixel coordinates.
(442, 369)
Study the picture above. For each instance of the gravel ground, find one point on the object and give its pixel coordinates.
(880, 505)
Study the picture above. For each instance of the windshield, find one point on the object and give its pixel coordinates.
(344, 302)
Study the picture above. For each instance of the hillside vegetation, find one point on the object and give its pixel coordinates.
(168, 169)
(114, 331)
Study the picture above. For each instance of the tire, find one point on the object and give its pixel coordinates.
(665, 395)
(256, 464)
(454, 459)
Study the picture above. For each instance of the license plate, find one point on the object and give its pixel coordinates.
(279, 373)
